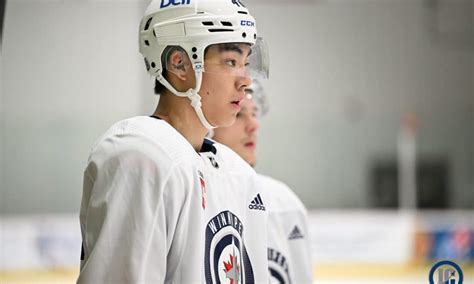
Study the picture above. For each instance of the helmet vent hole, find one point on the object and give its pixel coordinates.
(226, 24)
(195, 56)
(242, 12)
(220, 30)
(208, 23)
(153, 65)
(194, 49)
(147, 43)
(154, 34)
(147, 64)
(254, 36)
(147, 25)
(244, 35)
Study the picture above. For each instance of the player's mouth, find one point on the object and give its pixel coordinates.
(236, 104)
(250, 145)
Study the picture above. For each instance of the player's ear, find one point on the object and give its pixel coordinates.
(179, 64)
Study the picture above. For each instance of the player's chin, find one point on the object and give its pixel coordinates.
(250, 157)
(252, 161)
(225, 120)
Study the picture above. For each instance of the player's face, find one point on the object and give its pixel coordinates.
(224, 82)
(242, 135)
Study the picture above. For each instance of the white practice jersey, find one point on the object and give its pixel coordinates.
(156, 211)
(289, 251)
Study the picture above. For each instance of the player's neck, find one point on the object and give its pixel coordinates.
(179, 113)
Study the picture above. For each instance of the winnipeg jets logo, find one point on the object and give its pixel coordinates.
(278, 267)
(232, 268)
(226, 259)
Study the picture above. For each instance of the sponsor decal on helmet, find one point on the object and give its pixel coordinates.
(247, 23)
(166, 3)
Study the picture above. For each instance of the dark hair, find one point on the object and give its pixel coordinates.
(159, 88)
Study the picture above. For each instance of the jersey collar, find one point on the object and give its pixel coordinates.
(207, 144)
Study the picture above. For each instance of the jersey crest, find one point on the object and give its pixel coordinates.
(278, 267)
(226, 259)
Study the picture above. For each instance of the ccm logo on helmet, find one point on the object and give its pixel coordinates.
(166, 3)
(247, 23)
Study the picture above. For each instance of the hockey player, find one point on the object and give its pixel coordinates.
(159, 205)
(289, 243)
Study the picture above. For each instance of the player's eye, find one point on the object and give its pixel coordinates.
(231, 62)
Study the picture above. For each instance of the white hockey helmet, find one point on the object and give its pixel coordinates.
(194, 25)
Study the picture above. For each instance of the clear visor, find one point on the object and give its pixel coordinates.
(259, 60)
(256, 93)
(233, 59)
(238, 59)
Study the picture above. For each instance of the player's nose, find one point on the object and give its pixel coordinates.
(252, 125)
(244, 81)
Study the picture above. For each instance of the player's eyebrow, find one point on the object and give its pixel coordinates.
(233, 47)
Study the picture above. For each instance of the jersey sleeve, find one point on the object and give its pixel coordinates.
(288, 233)
(131, 208)
(304, 262)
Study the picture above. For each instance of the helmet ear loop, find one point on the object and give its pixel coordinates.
(193, 93)
(177, 64)
(195, 98)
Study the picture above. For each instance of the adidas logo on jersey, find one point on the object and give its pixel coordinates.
(257, 203)
(295, 234)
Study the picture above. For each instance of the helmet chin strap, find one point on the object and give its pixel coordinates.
(192, 95)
